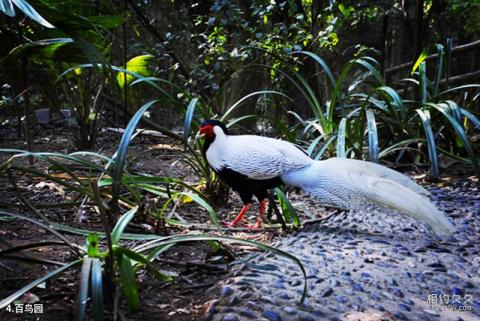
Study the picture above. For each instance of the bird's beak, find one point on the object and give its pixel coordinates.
(199, 136)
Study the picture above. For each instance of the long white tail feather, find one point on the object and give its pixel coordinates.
(351, 183)
(372, 169)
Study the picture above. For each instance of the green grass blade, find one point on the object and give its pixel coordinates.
(128, 281)
(151, 80)
(6, 6)
(455, 110)
(124, 236)
(200, 201)
(96, 284)
(438, 69)
(322, 64)
(393, 97)
(28, 10)
(244, 98)
(471, 117)
(313, 145)
(374, 71)
(372, 136)
(12, 297)
(432, 151)
(70, 244)
(122, 224)
(399, 146)
(461, 134)
(458, 88)
(453, 156)
(157, 251)
(121, 155)
(143, 260)
(312, 99)
(188, 119)
(420, 60)
(325, 146)
(342, 128)
(23, 247)
(233, 121)
(288, 211)
(82, 297)
(76, 188)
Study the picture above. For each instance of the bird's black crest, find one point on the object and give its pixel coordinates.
(215, 122)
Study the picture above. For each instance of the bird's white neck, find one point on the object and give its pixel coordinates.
(217, 148)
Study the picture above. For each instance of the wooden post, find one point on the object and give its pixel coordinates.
(26, 110)
(125, 88)
(419, 29)
(384, 46)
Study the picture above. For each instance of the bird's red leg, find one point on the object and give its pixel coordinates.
(239, 217)
(260, 216)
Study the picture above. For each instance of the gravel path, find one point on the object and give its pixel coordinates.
(368, 265)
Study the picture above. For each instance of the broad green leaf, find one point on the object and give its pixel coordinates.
(59, 49)
(138, 65)
(420, 60)
(107, 21)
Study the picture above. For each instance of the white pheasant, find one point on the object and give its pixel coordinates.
(253, 164)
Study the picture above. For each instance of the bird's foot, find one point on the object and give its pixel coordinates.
(257, 225)
(239, 217)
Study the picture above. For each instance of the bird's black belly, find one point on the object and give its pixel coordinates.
(248, 187)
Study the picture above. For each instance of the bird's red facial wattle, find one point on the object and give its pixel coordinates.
(206, 131)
